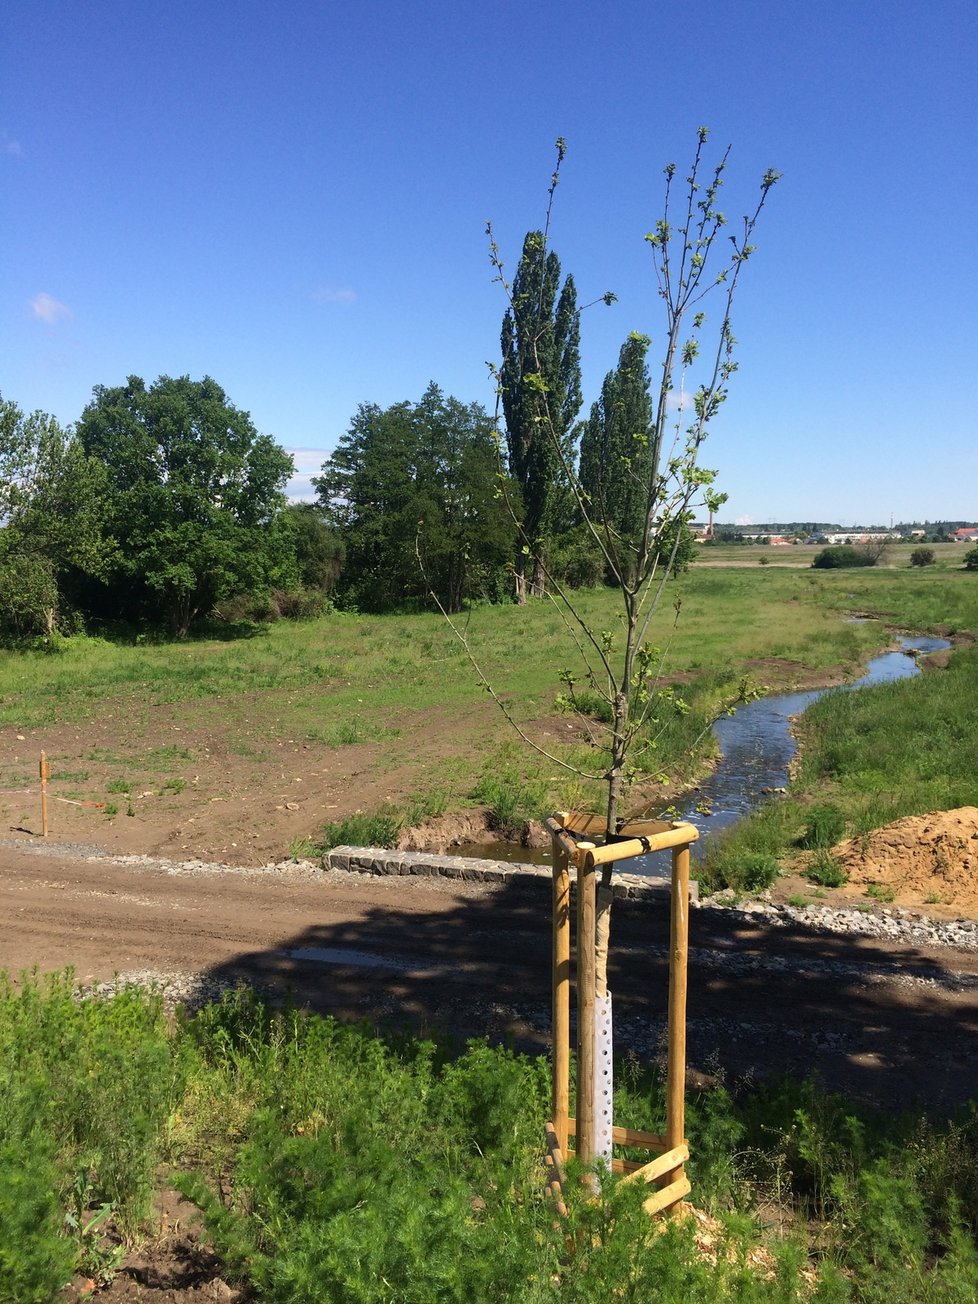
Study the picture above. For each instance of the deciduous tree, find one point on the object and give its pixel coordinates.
(540, 390)
(53, 504)
(417, 478)
(195, 497)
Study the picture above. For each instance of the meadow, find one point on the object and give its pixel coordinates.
(221, 717)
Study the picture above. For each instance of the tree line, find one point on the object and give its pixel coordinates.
(164, 505)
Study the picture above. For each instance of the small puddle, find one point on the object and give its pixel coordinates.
(348, 957)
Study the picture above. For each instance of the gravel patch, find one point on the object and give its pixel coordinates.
(889, 924)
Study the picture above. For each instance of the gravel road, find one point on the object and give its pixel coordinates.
(882, 1005)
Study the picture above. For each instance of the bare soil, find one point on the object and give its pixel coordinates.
(924, 860)
(891, 1022)
(205, 780)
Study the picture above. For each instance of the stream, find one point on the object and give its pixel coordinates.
(756, 749)
(756, 744)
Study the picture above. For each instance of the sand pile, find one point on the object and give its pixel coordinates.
(922, 859)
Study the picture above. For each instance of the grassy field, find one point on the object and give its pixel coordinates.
(333, 1165)
(947, 556)
(396, 699)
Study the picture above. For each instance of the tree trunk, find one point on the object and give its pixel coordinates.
(538, 588)
(519, 575)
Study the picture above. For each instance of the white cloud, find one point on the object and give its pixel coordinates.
(308, 462)
(50, 310)
(744, 520)
(677, 400)
(334, 294)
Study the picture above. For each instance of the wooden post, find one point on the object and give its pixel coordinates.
(585, 1002)
(561, 993)
(45, 770)
(678, 959)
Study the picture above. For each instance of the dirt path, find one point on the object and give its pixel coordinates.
(890, 1022)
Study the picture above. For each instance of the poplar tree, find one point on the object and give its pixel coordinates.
(540, 390)
(616, 451)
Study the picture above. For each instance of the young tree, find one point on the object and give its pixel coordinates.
(693, 265)
(540, 355)
(195, 497)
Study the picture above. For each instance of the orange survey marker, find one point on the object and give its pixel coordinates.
(45, 772)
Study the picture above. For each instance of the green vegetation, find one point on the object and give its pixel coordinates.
(880, 893)
(375, 681)
(417, 479)
(843, 556)
(826, 871)
(330, 1163)
(361, 831)
(826, 826)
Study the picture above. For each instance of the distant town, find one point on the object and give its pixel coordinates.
(784, 534)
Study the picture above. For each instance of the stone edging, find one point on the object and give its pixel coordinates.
(378, 860)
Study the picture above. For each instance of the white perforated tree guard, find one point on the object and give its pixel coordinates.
(603, 1078)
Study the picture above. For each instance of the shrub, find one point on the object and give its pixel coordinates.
(744, 871)
(922, 557)
(842, 557)
(301, 604)
(826, 826)
(577, 561)
(971, 559)
(826, 871)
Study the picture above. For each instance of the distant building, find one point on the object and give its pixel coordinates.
(867, 536)
(969, 534)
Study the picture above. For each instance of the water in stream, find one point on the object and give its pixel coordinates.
(756, 748)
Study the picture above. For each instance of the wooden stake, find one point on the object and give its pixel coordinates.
(585, 1003)
(45, 770)
(678, 960)
(561, 992)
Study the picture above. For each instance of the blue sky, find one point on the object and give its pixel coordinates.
(292, 199)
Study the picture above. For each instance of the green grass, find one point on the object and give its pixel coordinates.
(869, 758)
(384, 683)
(329, 1163)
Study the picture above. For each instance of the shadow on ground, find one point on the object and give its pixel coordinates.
(897, 1028)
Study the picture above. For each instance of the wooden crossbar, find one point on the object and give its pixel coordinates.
(666, 1163)
(628, 1136)
(680, 835)
(666, 1197)
(554, 1161)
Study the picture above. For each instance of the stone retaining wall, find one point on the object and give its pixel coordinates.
(378, 860)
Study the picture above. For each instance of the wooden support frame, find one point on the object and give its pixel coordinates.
(667, 1169)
